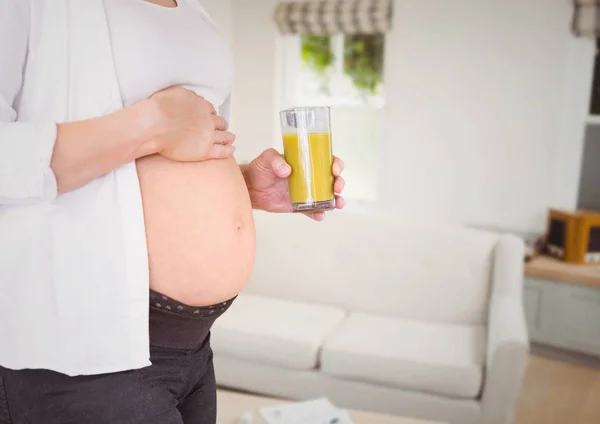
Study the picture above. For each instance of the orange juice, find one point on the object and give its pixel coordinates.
(311, 159)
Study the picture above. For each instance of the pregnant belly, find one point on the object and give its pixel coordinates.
(199, 228)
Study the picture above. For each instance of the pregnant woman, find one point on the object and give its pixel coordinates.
(126, 223)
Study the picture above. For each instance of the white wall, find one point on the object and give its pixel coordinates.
(482, 111)
(475, 104)
(254, 109)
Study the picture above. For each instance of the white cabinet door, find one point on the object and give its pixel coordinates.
(563, 315)
(579, 326)
(541, 300)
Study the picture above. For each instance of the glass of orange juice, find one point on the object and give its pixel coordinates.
(308, 150)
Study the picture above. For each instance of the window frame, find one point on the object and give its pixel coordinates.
(290, 53)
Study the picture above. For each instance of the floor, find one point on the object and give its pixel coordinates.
(560, 389)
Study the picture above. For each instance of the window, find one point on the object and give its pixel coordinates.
(595, 95)
(340, 70)
(589, 180)
(344, 72)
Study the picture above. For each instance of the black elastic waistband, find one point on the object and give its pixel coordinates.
(176, 325)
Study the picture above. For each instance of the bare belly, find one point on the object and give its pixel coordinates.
(199, 228)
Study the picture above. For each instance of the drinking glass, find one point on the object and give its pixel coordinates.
(308, 150)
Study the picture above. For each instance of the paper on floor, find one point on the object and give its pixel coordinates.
(318, 411)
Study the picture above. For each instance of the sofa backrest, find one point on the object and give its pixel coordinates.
(375, 265)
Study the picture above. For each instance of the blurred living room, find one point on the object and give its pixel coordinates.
(461, 283)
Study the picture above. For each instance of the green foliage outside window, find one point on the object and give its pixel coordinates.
(317, 53)
(363, 61)
(363, 58)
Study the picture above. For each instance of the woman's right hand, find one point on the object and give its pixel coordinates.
(188, 129)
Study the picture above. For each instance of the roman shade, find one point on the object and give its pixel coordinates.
(586, 18)
(334, 16)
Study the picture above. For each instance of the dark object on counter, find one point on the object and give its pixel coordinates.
(574, 236)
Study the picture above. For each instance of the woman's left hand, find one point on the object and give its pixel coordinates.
(266, 178)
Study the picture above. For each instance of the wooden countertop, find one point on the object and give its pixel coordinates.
(552, 269)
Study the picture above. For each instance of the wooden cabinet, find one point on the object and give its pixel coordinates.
(562, 307)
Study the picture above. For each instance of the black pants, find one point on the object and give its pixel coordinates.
(178, 388)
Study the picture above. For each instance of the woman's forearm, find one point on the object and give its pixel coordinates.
(86, 150)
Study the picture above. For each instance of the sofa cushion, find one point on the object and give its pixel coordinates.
(276, 332)
(379, 265)
(443, 359)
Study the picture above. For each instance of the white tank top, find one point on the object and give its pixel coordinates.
(155, 47)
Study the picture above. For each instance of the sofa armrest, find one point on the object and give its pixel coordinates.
(508, 342)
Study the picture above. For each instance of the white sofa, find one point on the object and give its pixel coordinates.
(376, 315)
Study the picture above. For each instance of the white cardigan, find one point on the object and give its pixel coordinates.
(73, 268)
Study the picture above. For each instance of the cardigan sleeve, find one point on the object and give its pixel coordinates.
(25, 147)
